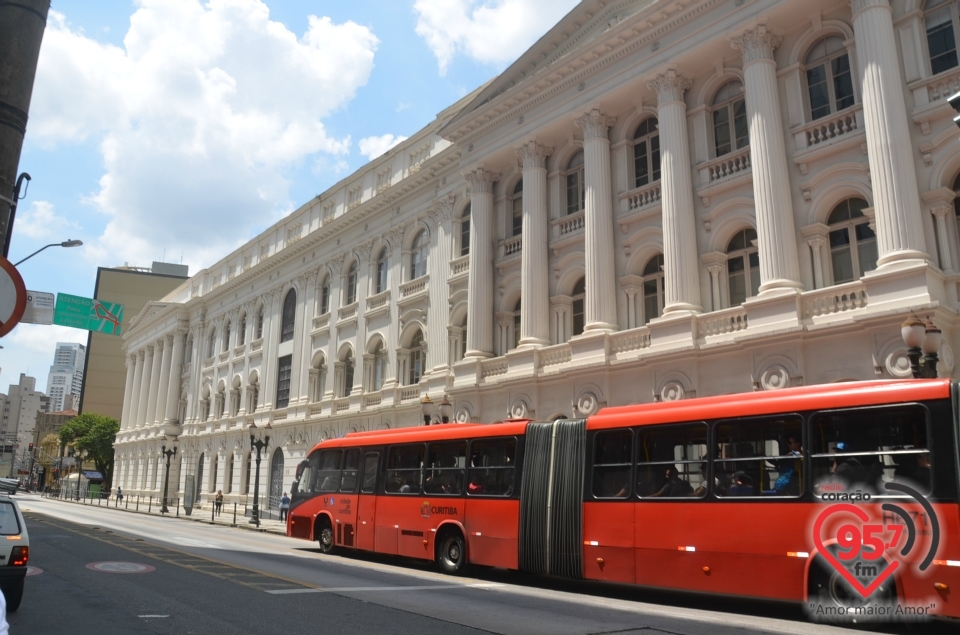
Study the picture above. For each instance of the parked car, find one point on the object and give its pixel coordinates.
(9, 486)
(14, 552)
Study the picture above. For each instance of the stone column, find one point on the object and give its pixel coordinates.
(680, 268)
(131, 363)
(893, 178)
(135, 392)
(534, 256)
(773, 206)
(438, 266)
(816, 245)
(164, 381)
(480, 280)
(154, 382)
(600, 303)
(145, 382)
(172, 396)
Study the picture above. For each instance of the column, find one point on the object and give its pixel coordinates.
(600, 303)
(145, 385)
(131, 363)
(135, 393)
(534, 256)
(154, 383)
(480, 280)
(816, 245)
(172, 396)
(776, 233)
(940, 213)
(164, 381)
(893, 178)
(681, 284)
(438, 264)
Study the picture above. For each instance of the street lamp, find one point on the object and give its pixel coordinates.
(166, 479)
(446, 410)
(259, 445)
(66, 243)
(921, 338)
(80, 455)
(426, 409)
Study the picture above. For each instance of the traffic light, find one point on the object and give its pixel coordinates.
(31, 448)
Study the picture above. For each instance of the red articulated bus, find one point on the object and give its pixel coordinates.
(717, 494)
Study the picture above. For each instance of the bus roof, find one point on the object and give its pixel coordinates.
(441, 432)
(817, 397)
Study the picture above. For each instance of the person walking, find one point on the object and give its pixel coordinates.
(284, 506)
(218, 501)
(119, 495)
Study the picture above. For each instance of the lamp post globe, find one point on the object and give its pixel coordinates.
(922, 339)
(426, 409)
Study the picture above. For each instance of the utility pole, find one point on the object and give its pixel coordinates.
(22, 24)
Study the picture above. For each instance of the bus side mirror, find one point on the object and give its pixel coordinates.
(302, 465)
(294, 487)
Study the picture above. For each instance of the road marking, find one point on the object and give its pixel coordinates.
(34, 571)
(352, 589)
(151, 616)
(120, 567)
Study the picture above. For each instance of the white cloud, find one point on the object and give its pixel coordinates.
(373, 147)
(40, 222)
(197, 116)
(489, 31)
(29, 349)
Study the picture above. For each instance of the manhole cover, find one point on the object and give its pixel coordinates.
(34, 571)
(120, 567)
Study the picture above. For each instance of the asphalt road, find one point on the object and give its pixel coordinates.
(210, 580)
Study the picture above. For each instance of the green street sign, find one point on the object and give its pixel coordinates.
(88, 314)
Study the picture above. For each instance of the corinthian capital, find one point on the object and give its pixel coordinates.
(758, 44)
(481, 180)
(859, 5)
(595, 124)
(533, 155)
(670, 86)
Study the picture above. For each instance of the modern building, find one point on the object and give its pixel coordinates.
(21, 406)
(658, 200)
(104, 369)
(66, 374)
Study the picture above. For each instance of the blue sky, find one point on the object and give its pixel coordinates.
(169, 129)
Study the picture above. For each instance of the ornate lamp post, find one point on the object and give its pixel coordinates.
(80, 456)
(260, 446)
(426, 409)
(446, 410)
(166, 479)
(921, 338)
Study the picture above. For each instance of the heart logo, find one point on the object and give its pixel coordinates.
(844, 508)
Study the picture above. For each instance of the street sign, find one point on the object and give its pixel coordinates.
(39, 308)
(13, 296)
(88, 313)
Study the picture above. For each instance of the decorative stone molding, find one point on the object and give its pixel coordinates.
(758, 44)
(441, 211)
(363, 250)
(336, 263)
(857, 6)
(394, 237)
(481, 180)
(533, 155)
(669, 86)
(672, 391)
(594, 124)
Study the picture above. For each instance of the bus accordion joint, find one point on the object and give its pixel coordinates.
(798, 554)
(682, 548)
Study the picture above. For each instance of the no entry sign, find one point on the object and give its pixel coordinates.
(13, 296)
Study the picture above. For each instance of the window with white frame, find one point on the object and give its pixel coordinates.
(324, 297)
(516, 227)
(853, 245)
(653, 288)
(415, 370)
(212, 343)
(288, 316)
(381, 273)
(226, 336)
(743, 266)
(577, 308)
(465, 232)
(646, 153)
(242, 330)
(829, 80)
(729, 119)
(379, 367)
(516, 324)
(350, 288)
(349, 366)
(576, 194)
(259, 322)
(941, 21)
(418, 255)
(318, 373)
(284, 370)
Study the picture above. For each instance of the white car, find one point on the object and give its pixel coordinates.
(14, 552)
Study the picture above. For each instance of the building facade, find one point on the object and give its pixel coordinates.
(22, 404)
(66, 374)
(658, 200)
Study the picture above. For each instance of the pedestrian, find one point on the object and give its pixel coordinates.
(284, 506)
(218, 501)
(119, 495)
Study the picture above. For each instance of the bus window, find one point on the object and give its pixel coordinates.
(671, 461)
(404, 469)
(491, 467)
(303, 488)
(445, 468)
(371, 461)
(866, 447)
(328, 474)
(612, 462)
(759, 457)
(351, 465)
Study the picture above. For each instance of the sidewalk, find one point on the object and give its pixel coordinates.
(151, 507)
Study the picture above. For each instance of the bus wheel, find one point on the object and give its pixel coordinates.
(451, 552)
(325, 536)
(829, 591)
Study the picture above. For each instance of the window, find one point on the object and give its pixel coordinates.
(9, 524)
(212, 343)
(415, 371)
(729, 119)
(829, 83)
(850, 259)
(579, 292)
(404, 469)
(743, 266)
(491, 467)
(351, 470)
(284, 366)
(325, 297)
(864, 448)
(328, 472)
(371, 463)
(653, 288)
(759, 457)
(288, 317)
(463, 339)
(672, 461)
(612, 462)
(260, 323)
(418, 256)
(242, 330)
(941, 20)
(446, 464)
(517, 227)
(646, 153)
(516, 324)
(379, 367)
(465, 232)
(576, 194)
(348, 369)
(382, 271)
(350, 290)
(226, 336)
(305, 483)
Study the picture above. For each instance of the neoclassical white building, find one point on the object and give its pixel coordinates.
(660, 199)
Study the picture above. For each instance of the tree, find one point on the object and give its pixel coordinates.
(95, 434)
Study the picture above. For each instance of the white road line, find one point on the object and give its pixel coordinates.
(351, 589)
(149, 616)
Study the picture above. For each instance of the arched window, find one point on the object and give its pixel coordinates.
(259, 329)
(379, 369)
(516, 228)
(350, 290)
(382, 271)
(415, 371)
(956, 200)
(289, 316)
(324, 296)
(212, 343)
(579, 318)
(349, 366)
(829, 82)
(284, 372)
(853, 245)
(242, 330)
(418, 255)
(743, 266)
(729, 118)
(653, 288)
(576, 194)
(646, 153)
(253, 395)
(941, 21)
(465, 232)
(516, 325)
(226, 336)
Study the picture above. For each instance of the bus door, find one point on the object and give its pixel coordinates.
(492, 506)
(345, 510)
(398, 510)
(367, 503)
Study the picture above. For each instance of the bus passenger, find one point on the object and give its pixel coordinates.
(674, 485)
(742, 485)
